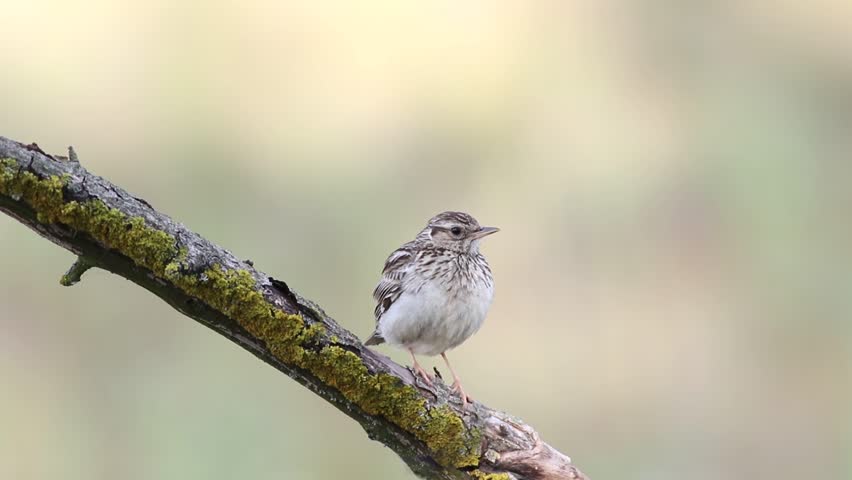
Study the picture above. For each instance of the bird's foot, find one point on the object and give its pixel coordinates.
(457, 388)
(418, 370)
(429, 379)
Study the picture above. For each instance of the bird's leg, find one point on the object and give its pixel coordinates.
(457, 386)
(417, 368)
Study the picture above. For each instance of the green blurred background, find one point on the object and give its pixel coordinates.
(672, 180)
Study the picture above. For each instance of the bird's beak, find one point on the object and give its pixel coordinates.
(484, 232)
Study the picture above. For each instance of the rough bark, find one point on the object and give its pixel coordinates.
(108, 228)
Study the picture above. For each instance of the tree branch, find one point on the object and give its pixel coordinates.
(108, 228)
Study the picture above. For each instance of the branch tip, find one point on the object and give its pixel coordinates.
(78, 268)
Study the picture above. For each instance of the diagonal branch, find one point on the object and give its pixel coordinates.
(108, 228)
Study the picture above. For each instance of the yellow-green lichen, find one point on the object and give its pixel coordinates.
(235, 294)
(439, 428)
(480, 475)
(147, 246)
(45, 196)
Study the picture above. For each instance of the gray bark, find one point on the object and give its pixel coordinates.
(508, 446)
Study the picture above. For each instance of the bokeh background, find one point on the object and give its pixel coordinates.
(672, 180)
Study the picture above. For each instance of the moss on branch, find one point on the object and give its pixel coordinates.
(480, 475)
(236, 294)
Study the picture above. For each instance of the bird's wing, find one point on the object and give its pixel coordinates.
(390, 286)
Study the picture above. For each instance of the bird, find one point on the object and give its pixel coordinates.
(435, 292)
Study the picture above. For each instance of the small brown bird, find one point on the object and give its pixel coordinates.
(435, 291)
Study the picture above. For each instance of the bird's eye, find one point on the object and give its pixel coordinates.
(455, 231)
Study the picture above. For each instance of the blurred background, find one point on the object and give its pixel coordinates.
(672, 180)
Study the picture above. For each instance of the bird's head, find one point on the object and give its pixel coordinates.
(456, 231)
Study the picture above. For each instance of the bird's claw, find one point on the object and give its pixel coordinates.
(429, 379)
(457, 388)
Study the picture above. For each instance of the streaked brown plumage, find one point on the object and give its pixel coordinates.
(435, 290)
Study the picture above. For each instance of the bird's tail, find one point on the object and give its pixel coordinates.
(375, 339)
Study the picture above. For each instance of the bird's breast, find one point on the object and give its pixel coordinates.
(433, 316)
(444, 301)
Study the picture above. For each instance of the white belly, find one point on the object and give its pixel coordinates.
(430, 321)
